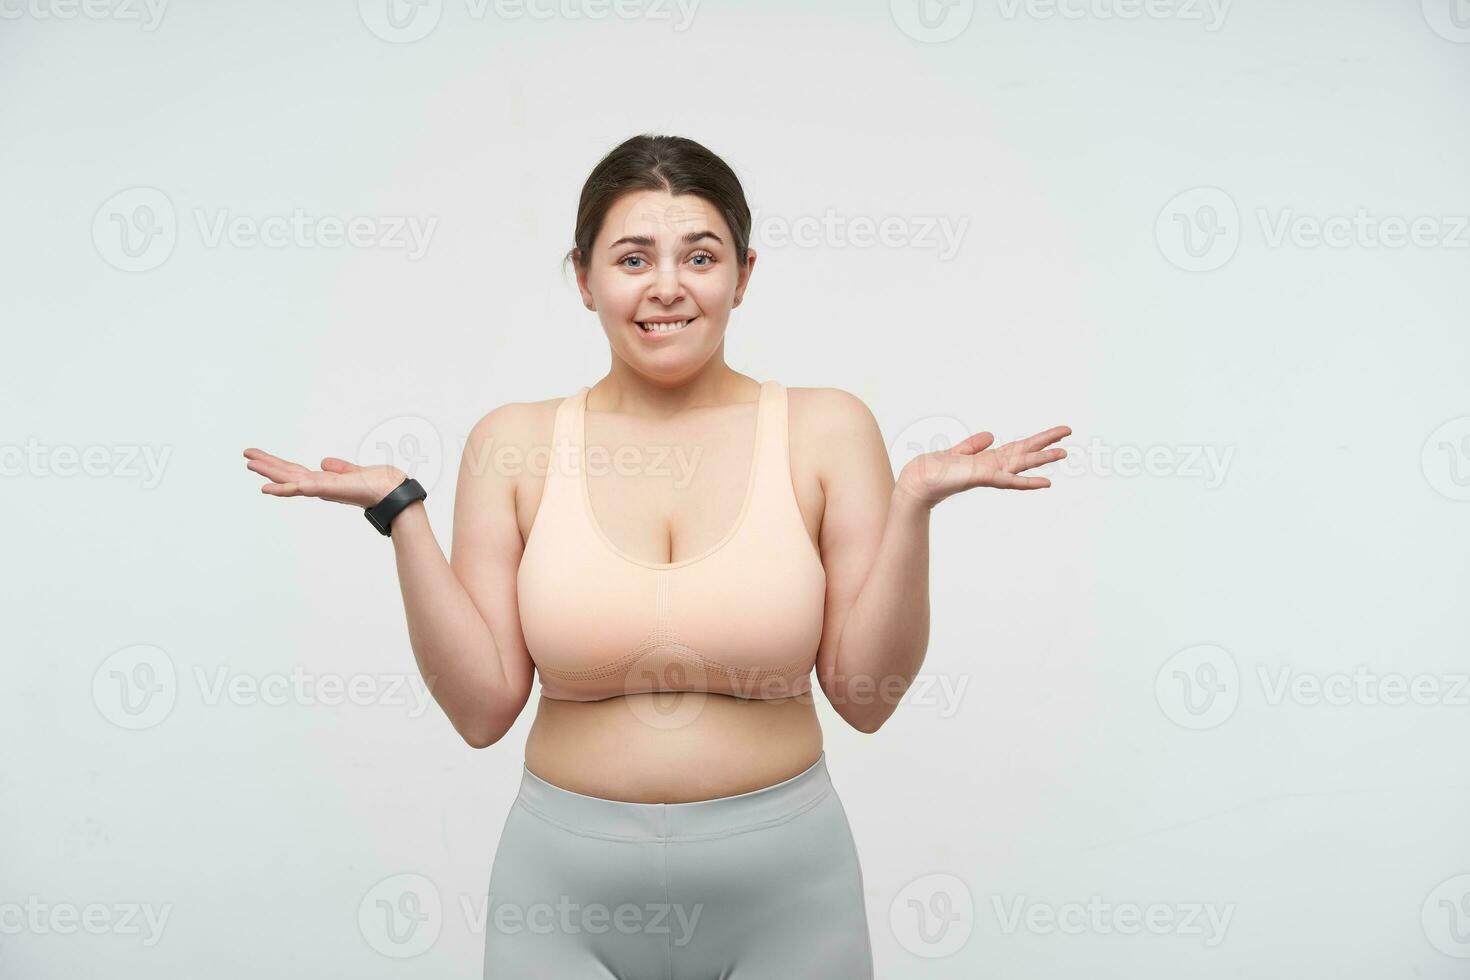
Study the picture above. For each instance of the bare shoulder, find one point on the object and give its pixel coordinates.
(828, 411)
(833, 427)
(520, 426)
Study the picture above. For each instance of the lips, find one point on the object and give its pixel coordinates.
(664, 326)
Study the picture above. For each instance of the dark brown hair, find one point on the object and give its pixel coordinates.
(669, 163)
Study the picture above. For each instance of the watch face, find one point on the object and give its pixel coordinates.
(392, 505)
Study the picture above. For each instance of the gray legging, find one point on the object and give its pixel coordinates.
(758, 886)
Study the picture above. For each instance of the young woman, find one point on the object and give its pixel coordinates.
(678, 547)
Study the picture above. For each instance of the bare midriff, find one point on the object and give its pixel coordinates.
(672, 747)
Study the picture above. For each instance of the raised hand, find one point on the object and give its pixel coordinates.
(338, 480)
(934, 476)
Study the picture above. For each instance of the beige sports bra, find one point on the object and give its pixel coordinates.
(744, 618)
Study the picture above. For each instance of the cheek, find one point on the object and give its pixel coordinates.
(618, 299)
(714, 291)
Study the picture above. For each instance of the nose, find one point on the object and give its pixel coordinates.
(666, 285)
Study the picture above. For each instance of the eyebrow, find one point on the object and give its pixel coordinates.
(647, 242)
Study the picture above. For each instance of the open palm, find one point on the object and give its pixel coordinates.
(338, 480)
(972, 463)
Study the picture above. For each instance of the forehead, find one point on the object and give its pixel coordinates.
(661, 216)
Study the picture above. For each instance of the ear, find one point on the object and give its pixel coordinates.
(744, 279)
(582, 280)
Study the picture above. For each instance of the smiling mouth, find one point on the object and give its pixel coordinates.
(674, 327)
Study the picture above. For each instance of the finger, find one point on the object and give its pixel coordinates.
(308, 487)
(276, 471)
(334, 465)
(1032, 460)
(261, 454)
(1046, 438)
(1009, 481)
(973, 444)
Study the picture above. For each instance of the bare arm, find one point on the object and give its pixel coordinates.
(461, 611)
(486, 553)
(875, 547)
(479, 673)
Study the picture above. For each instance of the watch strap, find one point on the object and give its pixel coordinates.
(380, 515)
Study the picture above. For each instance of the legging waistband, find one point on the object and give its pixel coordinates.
(594, 816)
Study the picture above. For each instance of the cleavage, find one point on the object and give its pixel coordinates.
(664, 492)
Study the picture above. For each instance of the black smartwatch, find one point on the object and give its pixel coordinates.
(380, 515)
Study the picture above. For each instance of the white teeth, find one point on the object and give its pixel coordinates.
(663, 327)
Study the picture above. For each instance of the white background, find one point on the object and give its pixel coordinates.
(1079, 755)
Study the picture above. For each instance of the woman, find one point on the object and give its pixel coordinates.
(683, 546)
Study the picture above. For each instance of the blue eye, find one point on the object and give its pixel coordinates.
(638, 258)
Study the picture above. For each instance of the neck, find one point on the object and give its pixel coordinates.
(624, 391)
